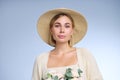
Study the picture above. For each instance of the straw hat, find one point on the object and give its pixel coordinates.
(80, 23)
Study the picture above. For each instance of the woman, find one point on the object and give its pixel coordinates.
(62, 28)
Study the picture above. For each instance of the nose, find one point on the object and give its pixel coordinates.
(62, 30)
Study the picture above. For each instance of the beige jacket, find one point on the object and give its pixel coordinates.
(85, 59)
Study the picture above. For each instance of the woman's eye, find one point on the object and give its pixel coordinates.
(67, 26)
(57, 25)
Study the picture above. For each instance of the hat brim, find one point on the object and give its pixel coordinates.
(80, 23)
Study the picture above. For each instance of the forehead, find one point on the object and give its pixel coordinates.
(63, 19)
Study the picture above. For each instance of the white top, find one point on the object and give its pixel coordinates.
(86, 63)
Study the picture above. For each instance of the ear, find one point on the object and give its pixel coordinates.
(50, 31)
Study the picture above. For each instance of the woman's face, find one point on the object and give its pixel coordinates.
(62, 29)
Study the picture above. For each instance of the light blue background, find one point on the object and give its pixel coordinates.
(20, 42)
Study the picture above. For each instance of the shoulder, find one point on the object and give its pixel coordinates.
(42, 56)
(87, 56)
(84, 52)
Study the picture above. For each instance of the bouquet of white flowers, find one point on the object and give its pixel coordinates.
(69, 75)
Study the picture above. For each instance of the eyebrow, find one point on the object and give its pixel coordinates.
(59, 23)
(68, 23)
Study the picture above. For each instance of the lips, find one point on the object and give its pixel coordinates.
(61, 36)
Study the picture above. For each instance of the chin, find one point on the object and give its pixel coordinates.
(62, 41)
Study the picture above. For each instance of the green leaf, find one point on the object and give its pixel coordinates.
(68, 74)
(56, 78)
(68, 70)
(49, 75)
(79, 72)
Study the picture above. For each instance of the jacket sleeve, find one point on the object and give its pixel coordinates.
(37, 72)
(92, 70)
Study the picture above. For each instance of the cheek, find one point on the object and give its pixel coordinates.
(53, 31)
(70, 32)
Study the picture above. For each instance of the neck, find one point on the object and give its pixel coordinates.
(62, 48)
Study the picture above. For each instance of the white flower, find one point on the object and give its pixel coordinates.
(59, 75)
(52, 72)
(75, 73)
(61, 79)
